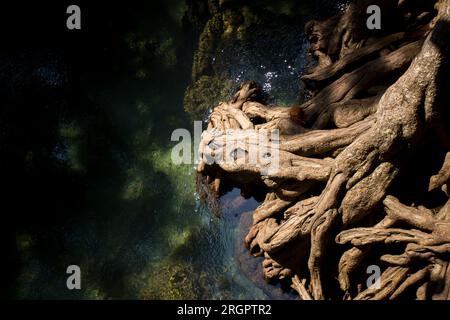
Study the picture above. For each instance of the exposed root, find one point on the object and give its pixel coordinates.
(332, 206)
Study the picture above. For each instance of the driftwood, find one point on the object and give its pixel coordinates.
(332, 206)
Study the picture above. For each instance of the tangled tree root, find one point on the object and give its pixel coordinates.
(345, 158)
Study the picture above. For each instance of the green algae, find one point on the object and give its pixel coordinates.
(206, 93)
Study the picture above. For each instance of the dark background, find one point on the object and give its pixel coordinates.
(51, 75)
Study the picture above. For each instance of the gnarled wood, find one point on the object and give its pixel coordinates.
(332, 205)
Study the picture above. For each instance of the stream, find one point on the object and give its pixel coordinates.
(113, 202)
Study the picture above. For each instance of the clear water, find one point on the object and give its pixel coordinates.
(138, 229)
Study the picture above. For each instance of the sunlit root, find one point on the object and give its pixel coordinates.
(299, 286)
(337, 174)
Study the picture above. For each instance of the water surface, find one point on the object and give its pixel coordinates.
(101, 189)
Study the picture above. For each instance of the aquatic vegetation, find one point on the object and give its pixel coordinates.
(172, 280)
(206, 92)
(240, 42)
(134, 189)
